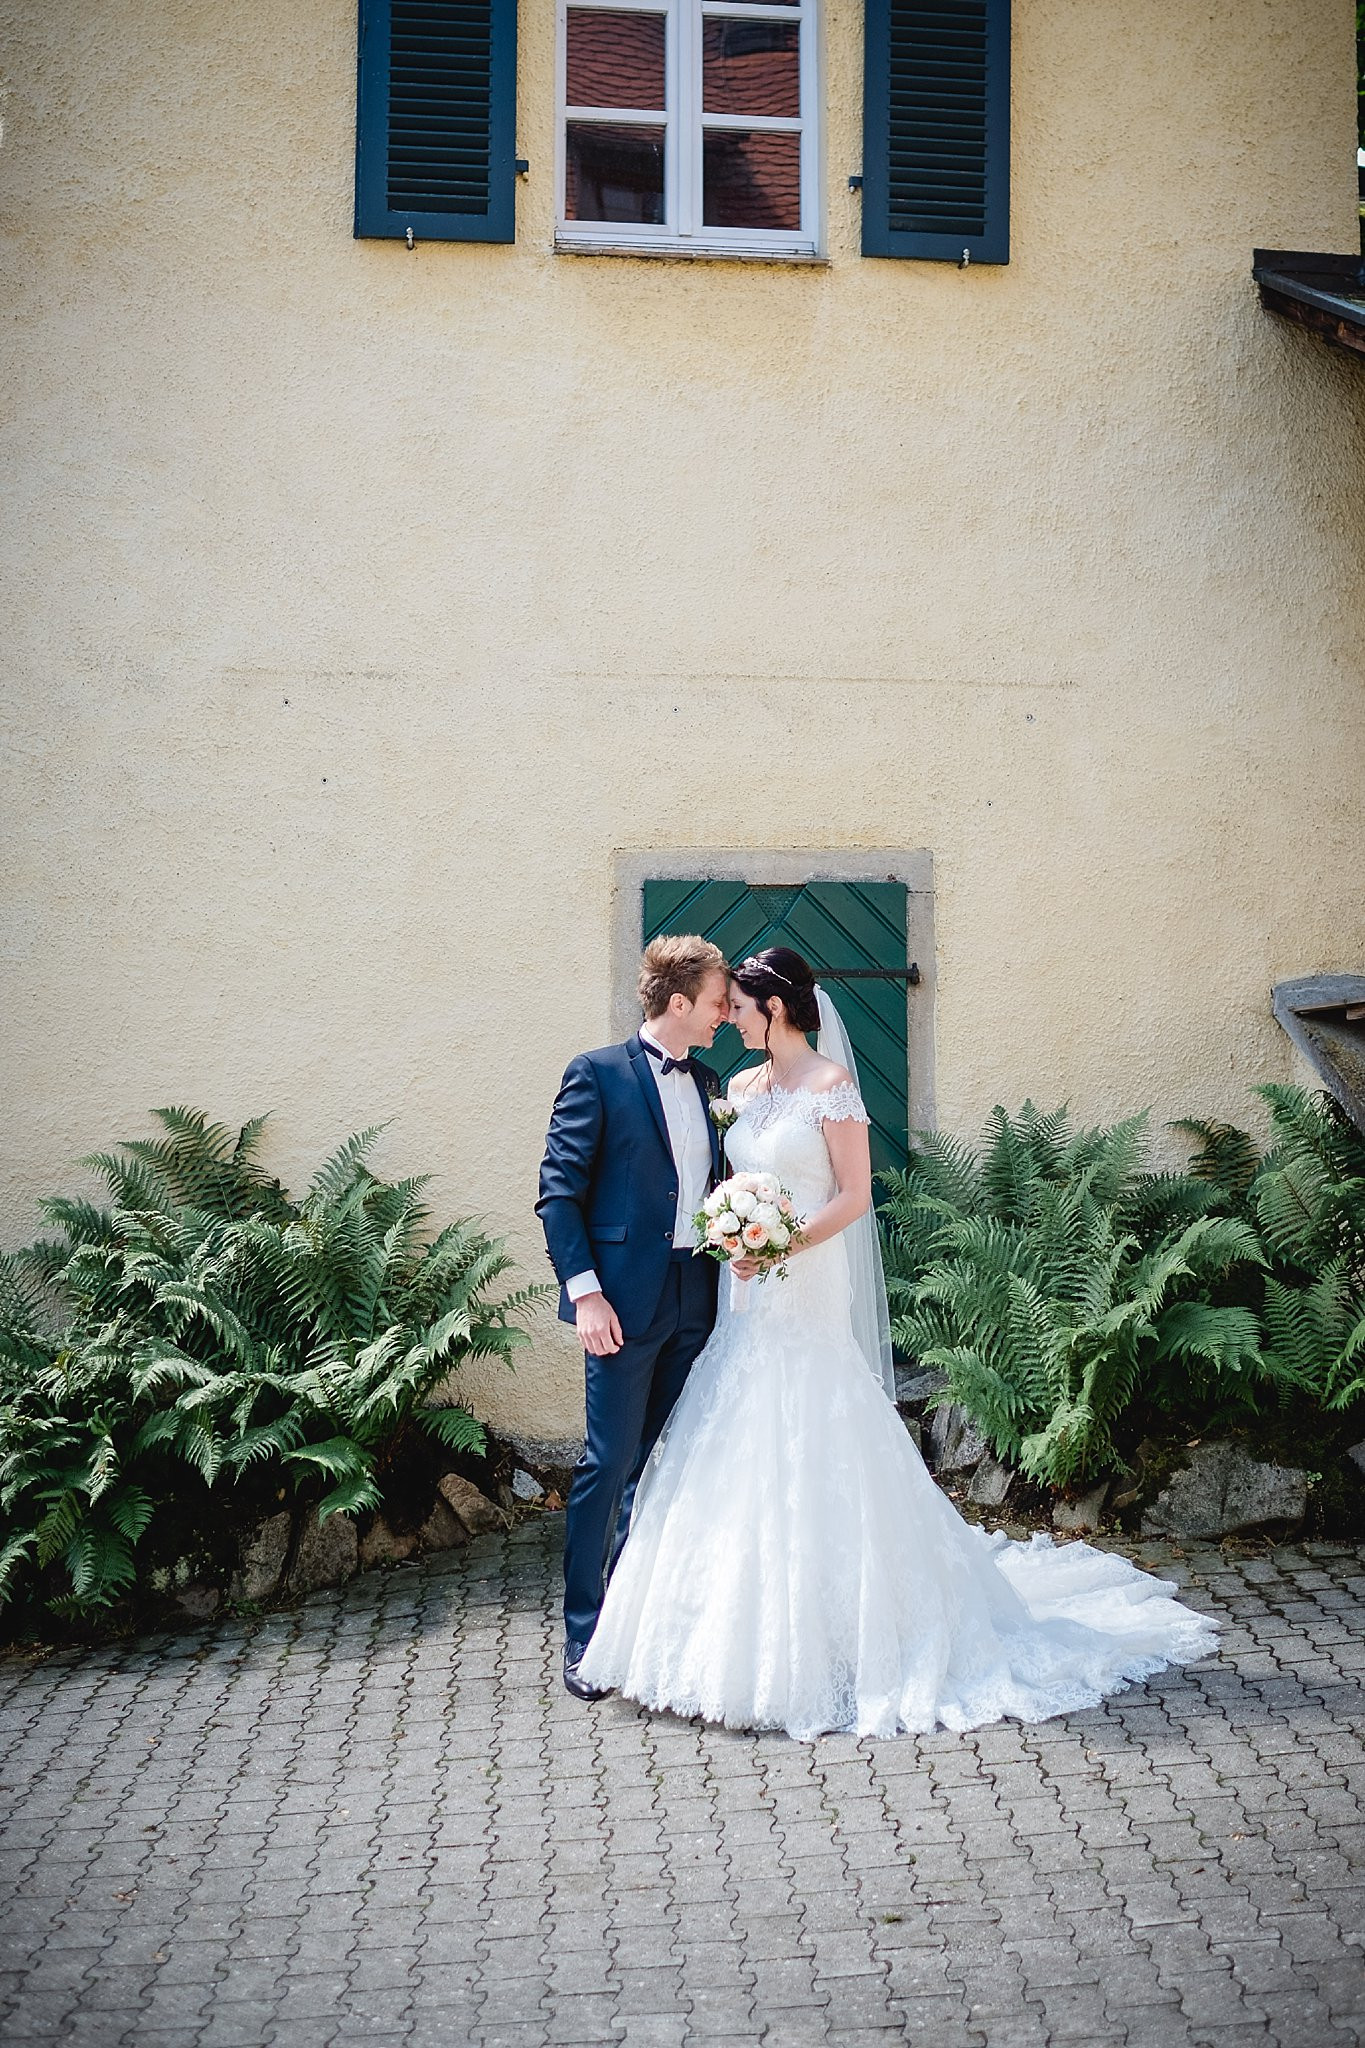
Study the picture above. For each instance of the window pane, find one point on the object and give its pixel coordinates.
(751, 67)
(750, 181)
(615, 60)
(614, 172)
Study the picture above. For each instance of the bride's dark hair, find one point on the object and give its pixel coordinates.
(778, 971)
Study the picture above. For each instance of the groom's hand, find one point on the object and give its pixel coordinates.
(599, 1330)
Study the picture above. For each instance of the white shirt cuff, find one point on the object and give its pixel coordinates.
(581, 1284)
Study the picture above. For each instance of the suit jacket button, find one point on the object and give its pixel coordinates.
(668, 1237)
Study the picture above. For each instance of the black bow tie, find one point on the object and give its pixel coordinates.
(656, 1052)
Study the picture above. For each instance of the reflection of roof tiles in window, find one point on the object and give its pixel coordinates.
(615, 60)
(614, 172)
(751, 180)
(752, 67)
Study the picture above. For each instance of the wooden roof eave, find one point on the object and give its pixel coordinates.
(1324, 1015)
(1323, 293)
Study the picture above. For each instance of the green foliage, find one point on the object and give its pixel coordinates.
(1309, 1194)
(1068, 1294)
(1308, 1199)
(1226, 1159)
(1316, 1335)
(204, 1333)
(1050, 1279)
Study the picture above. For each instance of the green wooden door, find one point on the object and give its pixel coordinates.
(852, 933)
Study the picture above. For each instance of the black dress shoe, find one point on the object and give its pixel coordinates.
(574, 1654)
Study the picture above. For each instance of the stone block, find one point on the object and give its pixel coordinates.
(199, 1603)
(956, 1442)
(991, 1482)
(1222, 1490)
(1084, 1512)
(382, 1545)
(261, 1560)
(327, 1555)
(473, 1508)
(914, 1387)
(442, 1529)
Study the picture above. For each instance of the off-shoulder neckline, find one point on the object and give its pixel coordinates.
(815, 1094)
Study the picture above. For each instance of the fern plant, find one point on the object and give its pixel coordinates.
(1062, 1288)
(1308, 1198)
(1315, 1335)
(1051, 1279)
(218, 1338)
(1309, 1194)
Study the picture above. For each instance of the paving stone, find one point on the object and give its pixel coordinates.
(643, 1947)
(377, 1817)
(650, 1992)
(652, 2030)
(576, 2017)
(866, 2036)
(781, 1984)
(245, 2024)
(724, 2015)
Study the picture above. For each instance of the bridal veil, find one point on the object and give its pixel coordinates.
(871, 1315)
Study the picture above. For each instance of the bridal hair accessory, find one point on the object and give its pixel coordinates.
(762, 967)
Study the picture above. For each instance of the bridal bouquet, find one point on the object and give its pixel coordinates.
(750, 1215)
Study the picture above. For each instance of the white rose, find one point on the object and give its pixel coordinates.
(779, 1237)
(713, 1204)
(742, 1202)
(728, 1225)
(766, 1214)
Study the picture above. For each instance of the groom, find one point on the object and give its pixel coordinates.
(630, 1156)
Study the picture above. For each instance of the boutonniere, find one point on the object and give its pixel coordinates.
(723, 1115)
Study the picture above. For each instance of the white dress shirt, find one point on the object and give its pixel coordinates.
(689, 1139)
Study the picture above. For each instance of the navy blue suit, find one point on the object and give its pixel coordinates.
(608, 1200)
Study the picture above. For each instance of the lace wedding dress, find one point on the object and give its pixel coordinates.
(791, 1564)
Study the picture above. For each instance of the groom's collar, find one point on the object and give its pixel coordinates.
(652, 1038)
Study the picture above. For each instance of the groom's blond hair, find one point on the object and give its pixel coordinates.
(676, 964)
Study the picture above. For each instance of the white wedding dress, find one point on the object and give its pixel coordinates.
(791, 1564)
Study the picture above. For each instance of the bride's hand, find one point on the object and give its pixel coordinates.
(745, 1268)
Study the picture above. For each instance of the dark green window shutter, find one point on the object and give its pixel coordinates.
(436, 120)
(936, 130)
(853, 935)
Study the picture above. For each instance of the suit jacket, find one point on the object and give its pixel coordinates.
(608, 1184)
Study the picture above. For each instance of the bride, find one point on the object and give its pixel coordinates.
(790, 1562)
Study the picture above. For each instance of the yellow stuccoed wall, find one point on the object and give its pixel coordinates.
(360, 605)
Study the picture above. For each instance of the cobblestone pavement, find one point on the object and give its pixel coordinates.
(380, 1817)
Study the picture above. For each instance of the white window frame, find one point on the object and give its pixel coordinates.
(683, 231)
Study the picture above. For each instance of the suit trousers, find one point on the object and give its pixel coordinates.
(630, 1396)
